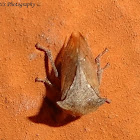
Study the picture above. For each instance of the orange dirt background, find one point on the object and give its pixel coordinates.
(114, 24)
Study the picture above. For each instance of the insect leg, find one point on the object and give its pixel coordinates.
(98, 62)
(46, 81)
(48, 52)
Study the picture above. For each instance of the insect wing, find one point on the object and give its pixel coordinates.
(88, 64)
(69, 64)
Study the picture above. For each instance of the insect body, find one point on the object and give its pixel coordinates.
(80, 77)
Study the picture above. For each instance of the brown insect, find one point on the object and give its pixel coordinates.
(80, 77)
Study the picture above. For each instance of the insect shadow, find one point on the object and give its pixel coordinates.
(49, 113)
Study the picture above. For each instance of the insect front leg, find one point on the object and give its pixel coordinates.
(48, 53)
(98, 62)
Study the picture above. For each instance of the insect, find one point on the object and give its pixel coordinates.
(80, 76)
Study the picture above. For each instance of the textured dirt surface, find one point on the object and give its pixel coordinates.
(25, 111)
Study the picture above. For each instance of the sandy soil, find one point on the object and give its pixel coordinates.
(25, 111)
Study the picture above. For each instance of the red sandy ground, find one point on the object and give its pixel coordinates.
(24, 111)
